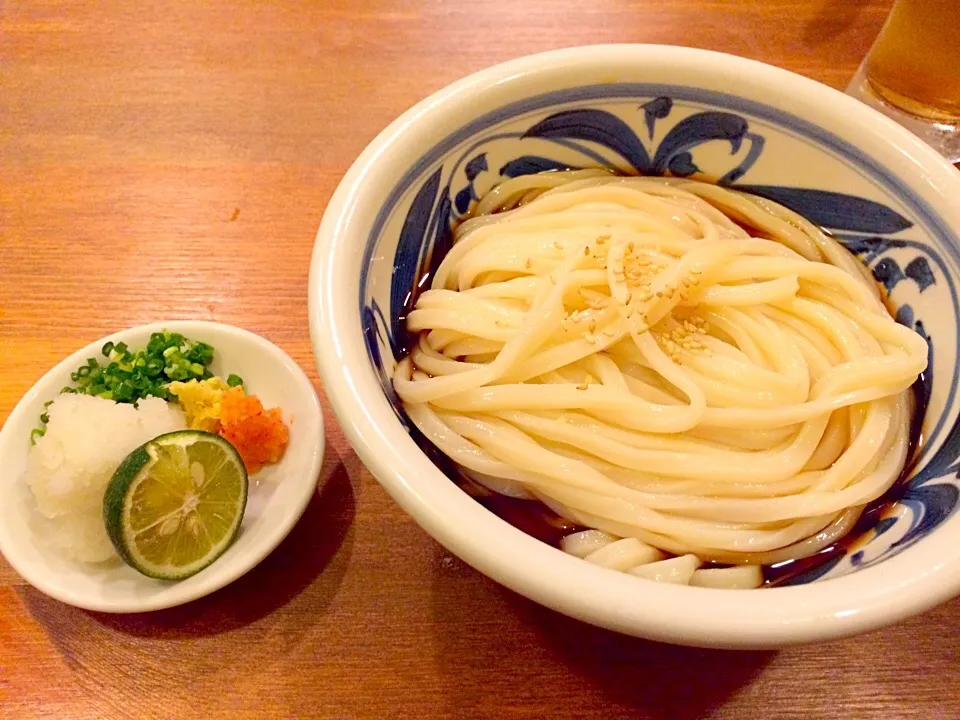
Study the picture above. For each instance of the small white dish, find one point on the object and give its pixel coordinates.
(278, 494)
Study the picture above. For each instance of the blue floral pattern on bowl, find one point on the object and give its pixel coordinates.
(687, 132)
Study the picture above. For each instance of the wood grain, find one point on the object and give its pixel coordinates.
(173, 160)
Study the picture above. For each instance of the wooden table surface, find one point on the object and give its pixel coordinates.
(172, 160)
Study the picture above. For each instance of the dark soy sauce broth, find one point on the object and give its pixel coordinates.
(537, 520)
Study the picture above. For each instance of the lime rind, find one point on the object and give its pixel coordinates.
(206, 535)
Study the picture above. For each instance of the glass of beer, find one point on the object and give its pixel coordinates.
(912, 72)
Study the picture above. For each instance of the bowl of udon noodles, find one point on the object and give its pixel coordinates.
(660, 338)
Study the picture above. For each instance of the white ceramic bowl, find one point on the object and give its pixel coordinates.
(653, 110)
(278, 494)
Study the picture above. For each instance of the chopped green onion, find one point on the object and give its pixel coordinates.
(200, 353)
(156, 345)
(234, 380)
(123, 392)
(128, 376)
(36, 435)
(44, 418)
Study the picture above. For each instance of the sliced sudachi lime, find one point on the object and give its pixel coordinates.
(175, 504)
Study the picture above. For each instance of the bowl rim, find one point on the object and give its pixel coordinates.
(217, 577)
(916, 580)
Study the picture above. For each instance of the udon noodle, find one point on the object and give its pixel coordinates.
(698, 374)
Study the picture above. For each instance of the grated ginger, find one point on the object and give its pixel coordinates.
(200, 400)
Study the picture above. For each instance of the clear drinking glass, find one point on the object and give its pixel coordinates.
(912, 72)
